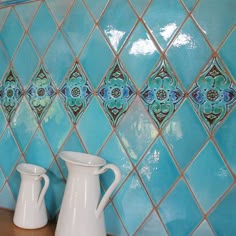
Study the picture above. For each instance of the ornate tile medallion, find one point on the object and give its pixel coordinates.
(213, 94)
(116, 93)
(161, 94)
(40, 93)
(10, 93)
(76, 92)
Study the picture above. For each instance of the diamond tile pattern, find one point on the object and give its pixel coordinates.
(147, 85)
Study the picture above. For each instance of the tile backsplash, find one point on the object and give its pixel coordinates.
(146, 85)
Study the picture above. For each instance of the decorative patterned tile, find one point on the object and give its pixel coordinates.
(26, 61)
(76, 92)
(125, 204)
(140, 6)
(222, 218)
(225, 137)
(208, 182)
(164, 20)
(38, 151)
(228, 51)
(94, 130)
(23, 125)
(158, 171)
(6, 198)
(56, 125)
(43, 24)
(9, 152)
(188, 53)
(11, 93)
(213, 94)
(184, 140)
(223, 15)
(57, 61)
(179, 211)
(116, 93)
(161, 94)
(115, 26)
(139, 55)
(100, 60)
(11, 33)
(77, 26)
(40, 93)
(203, 229)
(96, 7)
(152, 227)
(136, 131)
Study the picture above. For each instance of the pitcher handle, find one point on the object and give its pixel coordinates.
(43, 191)
(112, 187)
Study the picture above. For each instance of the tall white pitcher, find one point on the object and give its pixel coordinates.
(30, 212)
(81, 212)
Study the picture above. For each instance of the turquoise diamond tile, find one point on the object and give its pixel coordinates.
(11, 93)
(96, 7)
(161, 94)
(158, 171)
(2, 179)
(208, 182)
(213, 94)
(190, 49)
(139, 55)
(114, 153)
(117, 22)
(223, 16)
(6, 198)
(11, 33)
(59, 9)
(164, 20)
(228, 51)
(3, 122)
(26, 12)
(100, 60)
(136, 131)
(184, 140)
(222, 218)
(4, 61)
(15, 180)
(43, 24)
(76, 92)
(152, 227)
(112, 221)
(57, 61)
(140, 6)
(38, 151)
(190, 4)
(77, 26)
(203, 229)
(116, 93)
(26, 61)
(40, 92)
(9, 152)
(225, 137)
(3, 15)
(55, 191)
(56, 125)
(179, 211)
(125, 204)
(94, 127)
(23, 125)
(73, 143)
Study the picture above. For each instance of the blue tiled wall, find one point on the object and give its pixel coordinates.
(146, 85)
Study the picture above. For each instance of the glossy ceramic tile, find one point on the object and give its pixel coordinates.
(147, 85)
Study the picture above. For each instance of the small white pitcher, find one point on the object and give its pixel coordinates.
(30, 212)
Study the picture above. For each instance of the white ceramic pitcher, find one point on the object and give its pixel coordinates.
(81, 212)
(30, 212)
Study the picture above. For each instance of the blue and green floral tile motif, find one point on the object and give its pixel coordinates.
(10, 93)
(161, 94)
(76, 92)
(116, 93)
(40, 93)
(213, 94)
